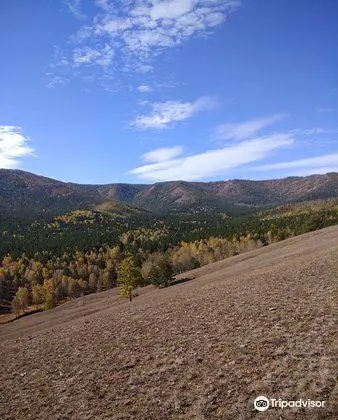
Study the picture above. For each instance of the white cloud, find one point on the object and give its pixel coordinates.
(137, 31)
(144, 88)
(171, 9)
(142, 68)
(309, 131)
(102, 56)
(325, 161)
(164, 114)
(163, 154)
(85, 55)
(13, 145)
(57, 80)
(247, 129)
(74, 7)
(143, 26)
(213, 162)
(104, 4)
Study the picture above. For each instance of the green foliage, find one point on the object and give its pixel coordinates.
(84, 253)
(162, 274)
(129, 277)
(20, 301)
(37, 294)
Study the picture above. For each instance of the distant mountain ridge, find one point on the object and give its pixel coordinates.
(24, 191)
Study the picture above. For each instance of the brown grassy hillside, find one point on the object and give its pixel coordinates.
(260, 323)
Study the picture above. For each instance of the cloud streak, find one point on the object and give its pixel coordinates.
(245, 130)
(213, 162)
(326, 162)
(163, 154)
(57, 80)
(13, 145)
(165, 114)
(74, 7)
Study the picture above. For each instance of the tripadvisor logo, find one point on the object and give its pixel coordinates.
(262, 403)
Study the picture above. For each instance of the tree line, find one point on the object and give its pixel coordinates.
(144, 256)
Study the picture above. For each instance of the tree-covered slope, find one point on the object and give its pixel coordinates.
(24, 192)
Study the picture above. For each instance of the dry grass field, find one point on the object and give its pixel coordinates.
(260, 323)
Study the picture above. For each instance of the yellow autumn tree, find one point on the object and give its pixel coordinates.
(129, 277)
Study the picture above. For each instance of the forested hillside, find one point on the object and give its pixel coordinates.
(22, 192)
(61, 240)
(81, 252)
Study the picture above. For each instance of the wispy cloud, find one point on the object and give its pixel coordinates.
(162, 154)
(144, 25)
(165, 114)
(57, 80)
(309, 131)
(138, 31)
(213, 162)
(144, 88)
(13, 145)
(245, 130)
(74, 7)
(102, 57)
(325, 162)
(104, 4)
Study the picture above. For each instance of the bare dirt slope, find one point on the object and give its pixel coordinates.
(261, 323)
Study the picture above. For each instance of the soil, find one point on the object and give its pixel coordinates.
(260, 323)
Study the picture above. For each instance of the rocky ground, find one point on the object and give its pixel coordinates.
(261, 323)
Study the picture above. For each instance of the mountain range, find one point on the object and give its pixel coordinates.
(22, 191)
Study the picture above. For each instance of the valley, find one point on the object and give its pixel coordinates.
(260, 323)
(79, 243)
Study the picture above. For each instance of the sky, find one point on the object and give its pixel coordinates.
(142, 91)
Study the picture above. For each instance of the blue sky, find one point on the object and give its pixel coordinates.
(99, 91)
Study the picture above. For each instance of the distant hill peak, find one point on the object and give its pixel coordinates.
(28, 191)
